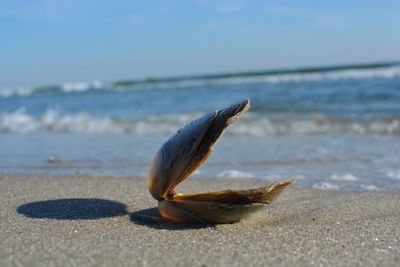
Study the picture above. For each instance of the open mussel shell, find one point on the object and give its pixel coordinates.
(181, 155)
(225, 206)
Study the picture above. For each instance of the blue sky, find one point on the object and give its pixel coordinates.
(46, 42)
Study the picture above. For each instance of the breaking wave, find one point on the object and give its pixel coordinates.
(65, 88)
(348, 177)
(20, 121)
(53, 121)
(345, 73)
(329, 186)
(234, 174)
(326, 186)
(393, 174)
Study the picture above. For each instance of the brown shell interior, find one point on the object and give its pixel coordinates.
(225, 206)
(205, 212)
(263, 195)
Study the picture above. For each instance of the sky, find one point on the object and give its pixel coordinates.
(46, 42)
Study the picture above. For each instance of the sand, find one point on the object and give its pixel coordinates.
(111, 221)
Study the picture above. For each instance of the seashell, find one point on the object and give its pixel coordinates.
(182, 154)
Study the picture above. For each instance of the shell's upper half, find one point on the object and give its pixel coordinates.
(181, 155)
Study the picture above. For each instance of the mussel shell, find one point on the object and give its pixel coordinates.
(181, 155)
(205, 212)
(224, 206)
(174, 156)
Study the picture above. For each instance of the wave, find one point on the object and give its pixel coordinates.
(291, 77)
(65, 88)
(326, 186)
(20, 121)
(329, 186)
(369, 187)
(348, 177)
(395, 175)
(272, 77)
(81, 86)
(234, 174)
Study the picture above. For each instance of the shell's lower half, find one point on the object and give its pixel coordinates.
(205, 212)
(225, 206)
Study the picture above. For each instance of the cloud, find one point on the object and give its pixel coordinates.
(224, 7)
(285, 10)
(229, 7)
(314, 17)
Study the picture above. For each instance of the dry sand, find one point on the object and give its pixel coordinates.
(110, 221)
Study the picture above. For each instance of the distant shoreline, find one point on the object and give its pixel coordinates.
(188, 79)
(239, 74)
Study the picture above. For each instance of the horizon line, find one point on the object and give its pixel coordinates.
(232, 74)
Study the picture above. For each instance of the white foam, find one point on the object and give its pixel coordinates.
(17, 91)
(395, 175)
(326, 186)
(369, 187)
(196, 173)
(263, 126)
(297, 177)
(353, 74)
(52, 121)
(20, 121)
(274, 177)
(348, 177)
(24, 91)
(81, 86)
(235, 174)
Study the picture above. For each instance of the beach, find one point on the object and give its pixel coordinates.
(109, 220)
(74, 157)
(101, 101)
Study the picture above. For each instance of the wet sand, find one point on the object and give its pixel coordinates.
(111, 221)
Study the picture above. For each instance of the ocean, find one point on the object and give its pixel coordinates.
(334, 128)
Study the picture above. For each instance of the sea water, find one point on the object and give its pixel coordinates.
(329, 128)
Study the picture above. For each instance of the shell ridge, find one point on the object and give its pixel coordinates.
(182, 176)
(212, 138)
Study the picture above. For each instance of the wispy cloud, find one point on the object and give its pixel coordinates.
(285, 10)
(230, 7)
(42, 10)
(316, 18)
(136, 19)
(223, 6)
(26, 11)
